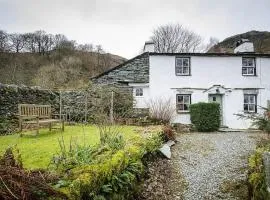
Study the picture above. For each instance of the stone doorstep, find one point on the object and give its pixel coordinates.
(231, 130)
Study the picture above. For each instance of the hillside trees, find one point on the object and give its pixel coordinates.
(50, 60)
(17, 42)
(3, 41)
(58, 75)
(41, 42)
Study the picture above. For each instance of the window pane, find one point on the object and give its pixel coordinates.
(250, 62)
(246, 99)
(252, 99)
(185, 106)
(251, 107)
(250, 70)
(244, 70)
(180, 99)
(179, 62)
(244, 61)
(245, 107)
(139, 92)
(186, 99)
(181, 106)
(186, 62)
(181, 70)
(185, 70)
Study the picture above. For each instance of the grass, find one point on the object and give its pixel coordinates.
(37, 151)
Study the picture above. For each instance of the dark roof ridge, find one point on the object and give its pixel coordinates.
(212, 54)
(120, 65)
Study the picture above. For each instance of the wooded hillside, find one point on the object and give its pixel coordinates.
(50, 61)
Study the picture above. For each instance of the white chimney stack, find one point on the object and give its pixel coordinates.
(244, 46)
(149, 46)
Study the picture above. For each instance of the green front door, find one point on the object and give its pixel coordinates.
(217, 98)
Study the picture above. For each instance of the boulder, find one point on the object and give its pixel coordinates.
(166, 151)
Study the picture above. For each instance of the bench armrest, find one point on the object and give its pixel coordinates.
(28, 117)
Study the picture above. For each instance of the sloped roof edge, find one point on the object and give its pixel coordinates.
(119, 66)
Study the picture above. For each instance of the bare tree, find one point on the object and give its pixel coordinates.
(47, 43)
(212, 42)
(85, 47)
(174, 38)
(30, 42)
(40, 37)
(4, 46)
(17, 41)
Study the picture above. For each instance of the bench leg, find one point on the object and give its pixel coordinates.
(63, 125)
(50, 127)
(20, 127)
(37, 126)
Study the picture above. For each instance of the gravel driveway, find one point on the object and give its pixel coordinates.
(213, 166)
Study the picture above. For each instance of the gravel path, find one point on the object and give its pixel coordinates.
(213, 166)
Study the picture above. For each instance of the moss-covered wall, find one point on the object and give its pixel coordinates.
(12, 95)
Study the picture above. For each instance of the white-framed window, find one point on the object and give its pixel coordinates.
(250, 103)
(248, 66)
(182, 66)
(138, 92)
(182, 102)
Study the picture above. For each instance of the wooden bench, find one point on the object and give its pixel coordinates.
(33, 115)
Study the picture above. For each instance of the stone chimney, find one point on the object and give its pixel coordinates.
(244, 46)
(149, 46)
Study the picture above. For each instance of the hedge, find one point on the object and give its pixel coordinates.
(205, 116)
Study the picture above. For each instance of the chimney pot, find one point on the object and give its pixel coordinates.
(149, 46)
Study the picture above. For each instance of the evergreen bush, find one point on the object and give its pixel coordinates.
(205, 116)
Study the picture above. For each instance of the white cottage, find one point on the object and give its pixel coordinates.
(239, 82)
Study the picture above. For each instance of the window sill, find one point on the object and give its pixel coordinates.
(249, 75)
(248, 112)
(183, 112)
(183, 74)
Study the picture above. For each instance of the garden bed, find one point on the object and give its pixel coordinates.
(91, 162)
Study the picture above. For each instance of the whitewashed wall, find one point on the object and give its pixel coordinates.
(140, 101)
(205, 72)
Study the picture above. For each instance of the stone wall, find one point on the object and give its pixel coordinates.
(12, 95)
(135, 70)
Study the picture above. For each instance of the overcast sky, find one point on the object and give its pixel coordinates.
(122, 26)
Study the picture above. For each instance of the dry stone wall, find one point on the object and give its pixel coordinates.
(12, 95)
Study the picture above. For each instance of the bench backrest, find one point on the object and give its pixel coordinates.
(32, 110)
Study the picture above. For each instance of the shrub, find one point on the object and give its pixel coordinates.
(168, 133)
(260, 121)
(256, 172)
(161, 110)
(17, 183)
(205, 116)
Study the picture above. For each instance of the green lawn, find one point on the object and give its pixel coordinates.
(37, 151)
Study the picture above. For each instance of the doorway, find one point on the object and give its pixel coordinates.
(217, 98)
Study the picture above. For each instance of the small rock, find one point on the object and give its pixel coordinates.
(166, 151)
(170, 143)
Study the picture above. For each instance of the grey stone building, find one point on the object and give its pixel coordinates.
(135, 70)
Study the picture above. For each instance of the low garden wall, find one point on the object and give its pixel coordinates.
(12, 95)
